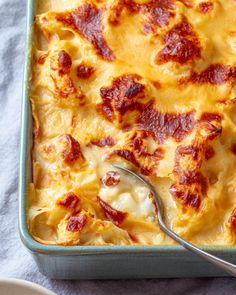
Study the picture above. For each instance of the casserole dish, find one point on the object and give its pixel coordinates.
(98, 262)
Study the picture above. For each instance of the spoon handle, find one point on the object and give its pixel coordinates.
(226, 266)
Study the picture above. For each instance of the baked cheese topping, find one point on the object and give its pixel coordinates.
(149, 84)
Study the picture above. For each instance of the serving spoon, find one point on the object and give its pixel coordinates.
(226, 266)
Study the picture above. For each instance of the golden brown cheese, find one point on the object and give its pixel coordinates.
(149, 84)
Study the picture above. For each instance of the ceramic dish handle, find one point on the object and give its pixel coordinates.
(226, 266)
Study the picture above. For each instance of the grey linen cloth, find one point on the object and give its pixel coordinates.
(15, 261)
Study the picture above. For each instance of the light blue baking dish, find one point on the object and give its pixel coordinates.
(99, 262)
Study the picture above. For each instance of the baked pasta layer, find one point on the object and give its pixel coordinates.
(150, 85)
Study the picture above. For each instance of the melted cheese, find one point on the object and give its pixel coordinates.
(149, 84)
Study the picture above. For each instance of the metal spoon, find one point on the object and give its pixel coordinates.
(226, 266)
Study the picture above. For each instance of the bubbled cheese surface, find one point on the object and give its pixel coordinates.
(147, 84)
